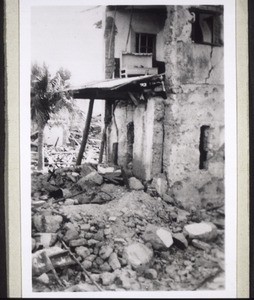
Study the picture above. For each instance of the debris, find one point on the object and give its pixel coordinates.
(47, 223)
(43, 278)
(138, 254)
(105, 169)
(180, 241)
(201, 245)
(45, 239)
(82, 251)
(92, 179)
(160, 184)
(160, 238)
(71, 234)
(75, 259)
(108, 278)
(205, 231)
(151, 274)
(135, 184)
(69, 201)
(105, 252)
(113, 261)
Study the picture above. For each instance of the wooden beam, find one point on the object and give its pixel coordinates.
(107, 120)
(85, 133)
(133, 98)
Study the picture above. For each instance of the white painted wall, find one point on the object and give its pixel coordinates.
(149, 22)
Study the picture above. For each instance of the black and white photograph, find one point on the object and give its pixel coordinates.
(128, 149)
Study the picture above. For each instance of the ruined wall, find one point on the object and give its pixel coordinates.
(194, 81)
(182, 136)
(147, 136)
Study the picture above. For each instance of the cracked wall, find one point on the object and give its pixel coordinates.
(195, 85)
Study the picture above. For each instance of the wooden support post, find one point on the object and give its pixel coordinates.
(85, 133)
(115, 154)
(107, 120)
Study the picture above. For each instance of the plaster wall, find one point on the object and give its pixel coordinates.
(148, 136)
(141, 22)
(195, 85)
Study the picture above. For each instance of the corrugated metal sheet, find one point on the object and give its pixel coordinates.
(113, 84)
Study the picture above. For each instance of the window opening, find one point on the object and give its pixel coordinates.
(203, 147)
(145, 43)
(207, 28)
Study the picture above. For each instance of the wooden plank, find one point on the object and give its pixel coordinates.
(86, 132)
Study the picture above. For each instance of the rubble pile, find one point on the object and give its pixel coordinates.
(66, 155)
(90, 233)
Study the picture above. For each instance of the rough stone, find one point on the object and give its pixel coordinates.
(107, 231)
(113, 261)
(205, 231)
(108, 188)
(180, 241)
(90, 180)
(43, 278)
(201, 245)
(86, 169)
(77, 243)
(71, 235)
(150, 274)
(99, 236)
(87, 264)
(52, 223)
(159, 237)
(92, 242)
(46, 239)
(99, 261)
(69, 201)
(82, 251)
(105, 267)
(108, 278)
(168, 199)
(105, 252)
(160, 184)
(138, 254)
(91, 257)
(182, 215)
(135, 184)
(33, 244)
(85, 227)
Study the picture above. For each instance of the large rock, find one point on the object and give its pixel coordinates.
(138, 254)
(160, 238)
(135, 184)
(205, 231)
(89, 180)
(160, 184)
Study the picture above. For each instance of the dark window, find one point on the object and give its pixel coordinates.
(203, 147)
(207, 28)
(145, 43)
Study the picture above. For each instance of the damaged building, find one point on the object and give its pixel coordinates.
(164, 111)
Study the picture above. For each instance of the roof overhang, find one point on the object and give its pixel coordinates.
(118, 89)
